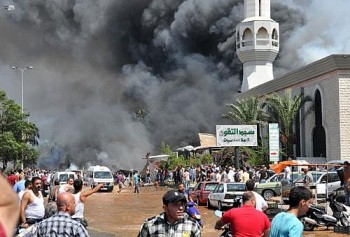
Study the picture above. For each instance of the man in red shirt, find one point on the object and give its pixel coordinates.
(246, 220)
(12, 178)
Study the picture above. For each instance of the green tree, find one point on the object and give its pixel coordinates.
(284, 110)
(17, 134)
(246, 111)
(249, 111)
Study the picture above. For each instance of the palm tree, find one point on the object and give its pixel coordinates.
(284, 110)
(247, 111)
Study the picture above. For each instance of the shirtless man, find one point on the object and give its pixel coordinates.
(68, 187)
(32, 204)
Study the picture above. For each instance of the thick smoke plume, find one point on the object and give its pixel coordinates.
(99, 62)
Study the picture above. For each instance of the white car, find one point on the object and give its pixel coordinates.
(330, 180)
(226, 195)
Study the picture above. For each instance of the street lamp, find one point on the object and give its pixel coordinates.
(22, 71)
(8, 7)
(22, 104)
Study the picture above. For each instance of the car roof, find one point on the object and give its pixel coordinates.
(322, 172)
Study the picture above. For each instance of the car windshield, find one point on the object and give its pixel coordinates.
(210, 186)
(64, 177)
(235, 187)
(103, 175)
(316, 176)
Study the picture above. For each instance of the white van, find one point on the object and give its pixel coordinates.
(100, 175)
(62, 178)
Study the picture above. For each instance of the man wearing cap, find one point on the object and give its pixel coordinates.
(173, 221)
(346, 175)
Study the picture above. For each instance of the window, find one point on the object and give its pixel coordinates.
(103, 175)
(262, 37)
(220, 188)
(274, 38)
(210, 187)
(247, 38)
(335, 177)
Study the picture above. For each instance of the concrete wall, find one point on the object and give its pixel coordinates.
(344, 115)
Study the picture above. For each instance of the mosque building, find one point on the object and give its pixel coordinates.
(324, 132)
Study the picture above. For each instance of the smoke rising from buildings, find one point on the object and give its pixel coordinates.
(97, 62)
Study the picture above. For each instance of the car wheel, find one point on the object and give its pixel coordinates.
(268, 194)
(197, 201)
(307, 226)
(219, 206)
(209, 206)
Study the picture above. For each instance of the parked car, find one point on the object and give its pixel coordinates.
(201, 190)
(226, 195)
(331, 179)
(273, 187)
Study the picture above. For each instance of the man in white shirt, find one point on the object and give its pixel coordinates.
(261, 204)
(231, 175)
(287, 172)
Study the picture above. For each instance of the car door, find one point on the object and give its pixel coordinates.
(197, 189)
(333, 182)
(212, 197)
(216, 195)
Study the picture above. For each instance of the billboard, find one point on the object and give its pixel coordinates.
(274, 142)
(236, 135)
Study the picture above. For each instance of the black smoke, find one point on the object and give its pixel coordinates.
(98, 62)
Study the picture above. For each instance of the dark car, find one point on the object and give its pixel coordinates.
(201, 190)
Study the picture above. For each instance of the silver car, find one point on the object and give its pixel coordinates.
(330, 180)
(226, 195)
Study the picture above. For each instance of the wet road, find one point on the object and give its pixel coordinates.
(121, 215)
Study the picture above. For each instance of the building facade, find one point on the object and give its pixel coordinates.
(326, 131)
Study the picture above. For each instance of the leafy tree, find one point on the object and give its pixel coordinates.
(17, 134)
(249, 111)
(284, 110)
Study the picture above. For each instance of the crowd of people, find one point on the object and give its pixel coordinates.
(66, 203)
(187, 175)
(63, 214)
(247, 220)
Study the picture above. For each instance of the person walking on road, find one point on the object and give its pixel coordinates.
(136, 178)
(173, 221)
(246, 220)
(286, 224)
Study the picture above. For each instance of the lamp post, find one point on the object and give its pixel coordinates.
(22, 103)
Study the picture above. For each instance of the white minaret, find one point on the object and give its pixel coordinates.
(257, 43)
